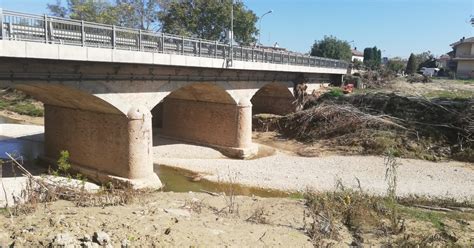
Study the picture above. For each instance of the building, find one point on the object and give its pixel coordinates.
(464, 57)
(443, 60)
(357, 55)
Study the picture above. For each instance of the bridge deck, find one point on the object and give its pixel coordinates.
(67, 39)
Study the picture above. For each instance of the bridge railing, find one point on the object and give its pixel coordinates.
(56, 30)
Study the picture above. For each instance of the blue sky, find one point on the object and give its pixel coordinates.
(397, 27)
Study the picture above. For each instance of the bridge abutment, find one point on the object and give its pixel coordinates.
(103, 146)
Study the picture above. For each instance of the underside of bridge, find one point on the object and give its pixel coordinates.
(206, 114)
(273, 98)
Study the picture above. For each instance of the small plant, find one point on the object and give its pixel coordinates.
(391, 178)
(335, 92)
(63, 162)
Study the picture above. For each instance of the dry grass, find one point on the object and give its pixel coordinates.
(259, 216)
(41, 190)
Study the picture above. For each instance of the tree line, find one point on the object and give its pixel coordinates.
(205, 19)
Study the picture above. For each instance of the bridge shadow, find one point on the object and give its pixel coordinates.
(169, 147)
(25, 149)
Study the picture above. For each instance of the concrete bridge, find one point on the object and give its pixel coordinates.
(108, 90)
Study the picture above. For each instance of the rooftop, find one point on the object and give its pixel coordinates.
(357, 53)
(463, 40)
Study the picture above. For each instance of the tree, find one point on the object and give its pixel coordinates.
(372, 57)
(208, 19)
(141, 14)
(411, 65)
(331, 47)
(396, 64)
(88, 10)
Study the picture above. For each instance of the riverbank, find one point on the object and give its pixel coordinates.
(21, 119)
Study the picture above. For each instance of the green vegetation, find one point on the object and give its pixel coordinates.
(196, 18)
(17, 102)
(411, 65)
(453, 94)
(130, 13)
(396, 65)
(199, 17)
(331, 47)
(334, 92)
(372, 57)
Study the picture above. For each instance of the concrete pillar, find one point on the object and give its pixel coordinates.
(103, 146)
(244, 123)
(140, 157)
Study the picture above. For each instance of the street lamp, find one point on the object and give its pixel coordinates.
(260, 25)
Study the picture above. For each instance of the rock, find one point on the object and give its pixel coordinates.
(86, 238)
(124, 243)
(102, 238)
(90, 244)
(63, 240)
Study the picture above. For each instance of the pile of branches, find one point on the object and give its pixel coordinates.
(416, 126)
(331, 120)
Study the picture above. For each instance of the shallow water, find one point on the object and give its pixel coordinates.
(180, 180)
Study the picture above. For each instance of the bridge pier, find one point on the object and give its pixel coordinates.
(103, 146)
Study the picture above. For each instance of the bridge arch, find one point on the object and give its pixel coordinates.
(274, 98)
(104, 143)
(206, 114)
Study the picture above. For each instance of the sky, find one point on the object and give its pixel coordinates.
(397, 27)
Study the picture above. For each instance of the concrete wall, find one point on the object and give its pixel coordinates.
(202, 122)
(35, 50)
(465, 69)
(94, 140)
(465, 49)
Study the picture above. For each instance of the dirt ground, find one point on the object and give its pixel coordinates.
(23, 119)
(165, 219)
(438, 87)
(197, 219)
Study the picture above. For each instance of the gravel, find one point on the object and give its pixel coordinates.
(294, 173)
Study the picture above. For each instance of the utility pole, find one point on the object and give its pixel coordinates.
(232, 34)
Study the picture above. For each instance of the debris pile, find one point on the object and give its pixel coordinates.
(414, 127)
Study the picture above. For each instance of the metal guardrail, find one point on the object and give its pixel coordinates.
(55, 30)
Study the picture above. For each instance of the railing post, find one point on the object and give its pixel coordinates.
(83, 34)
(182, 45)
(2, 33)
(139, 40)
(215, 51)
(200, 47)
(252, 54)
(45, 28)
(113, 37)
(10, 30)
(162, 43)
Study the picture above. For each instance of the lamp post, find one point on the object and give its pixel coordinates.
(260, 25)
(232, 33)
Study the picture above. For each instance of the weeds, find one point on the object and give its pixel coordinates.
(259, 216)
(230, 190)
